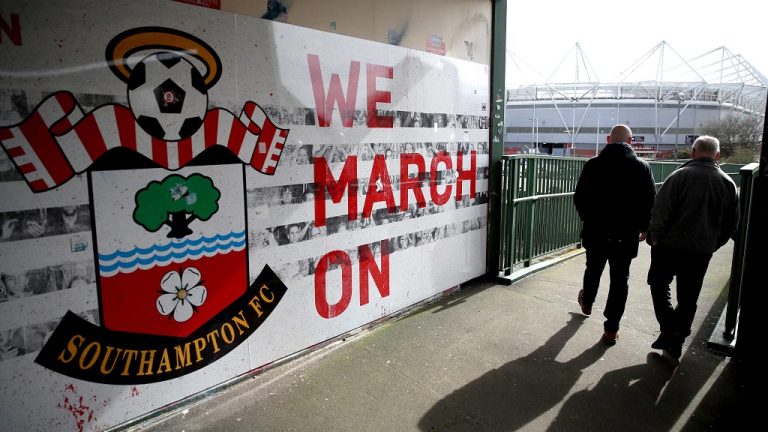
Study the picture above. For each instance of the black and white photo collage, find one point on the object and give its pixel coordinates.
(302, 231)
(338, 153)
(306, 267)
(44, 222)
(30, 339)
(70, 272)
(284, 116)
(27, 283)
(39, 223)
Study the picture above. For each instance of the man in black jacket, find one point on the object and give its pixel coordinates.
(696, 212)
(614, 197)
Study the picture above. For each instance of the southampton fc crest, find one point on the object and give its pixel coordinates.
(166, 178)
(173, 255)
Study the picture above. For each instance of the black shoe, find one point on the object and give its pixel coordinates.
(661, 342)
(586, 310)
(674, 350)
(610, 338)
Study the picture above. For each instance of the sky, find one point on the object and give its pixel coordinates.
(614, 34)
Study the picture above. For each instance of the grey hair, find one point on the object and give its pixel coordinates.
(707, 144)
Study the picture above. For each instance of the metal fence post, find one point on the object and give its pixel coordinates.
(747, 176)
(514, 182)
(531, 180)
(749, 344)
(496, 132)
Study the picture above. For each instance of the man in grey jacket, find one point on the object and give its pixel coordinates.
(695, 213)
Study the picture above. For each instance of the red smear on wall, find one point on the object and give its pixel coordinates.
(80, 409)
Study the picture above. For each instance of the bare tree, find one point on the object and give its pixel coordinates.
(737, 131)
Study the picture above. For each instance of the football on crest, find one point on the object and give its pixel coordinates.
(167, 95)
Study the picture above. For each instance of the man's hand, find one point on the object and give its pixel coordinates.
(35, 228)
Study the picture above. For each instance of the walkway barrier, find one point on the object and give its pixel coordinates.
(537, 212)
(538, 217)
(729, 320)
(662, 170)
(733, 170)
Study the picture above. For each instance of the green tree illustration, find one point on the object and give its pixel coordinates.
(176, 201)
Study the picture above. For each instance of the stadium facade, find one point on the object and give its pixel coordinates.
(665, 99)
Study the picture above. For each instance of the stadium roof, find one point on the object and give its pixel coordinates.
(660, 74)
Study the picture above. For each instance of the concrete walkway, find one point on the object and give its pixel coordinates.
(496, 358)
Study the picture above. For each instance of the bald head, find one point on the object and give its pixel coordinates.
(620, 134)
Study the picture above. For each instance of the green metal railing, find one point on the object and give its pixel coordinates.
(537, 212)
(733, 170)
(746, 182)
(662, 170)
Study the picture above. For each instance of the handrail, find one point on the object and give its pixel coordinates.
(538, 197)
(537, 215)
(747, 179)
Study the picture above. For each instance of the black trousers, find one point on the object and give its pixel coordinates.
(689, 268)
(618, 258)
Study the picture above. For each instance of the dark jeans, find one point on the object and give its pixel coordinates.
(618, 259)
(689, 268)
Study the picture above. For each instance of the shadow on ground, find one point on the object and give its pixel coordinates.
(703, 393)
(460, 297)
(516, 393)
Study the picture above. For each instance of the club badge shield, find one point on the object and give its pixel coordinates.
(171, 248)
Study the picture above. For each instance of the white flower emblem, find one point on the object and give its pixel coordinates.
(183, 294)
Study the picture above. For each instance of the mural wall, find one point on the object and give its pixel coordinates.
(455, 28)
(190, 194)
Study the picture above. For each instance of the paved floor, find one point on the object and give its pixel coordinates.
(496, 358)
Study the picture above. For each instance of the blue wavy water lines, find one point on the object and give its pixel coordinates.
(177, 245)
(173, 256)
